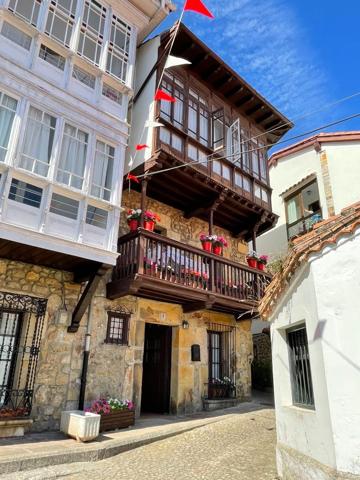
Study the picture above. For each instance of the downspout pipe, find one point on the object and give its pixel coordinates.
(86, 355)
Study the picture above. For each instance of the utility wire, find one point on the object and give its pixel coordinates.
(208, 158)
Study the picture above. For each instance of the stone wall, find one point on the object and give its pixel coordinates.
(181, 229)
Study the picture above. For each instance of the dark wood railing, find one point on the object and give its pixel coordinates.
(150, 254)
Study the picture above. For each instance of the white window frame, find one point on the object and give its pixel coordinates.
(102, 187)
(30, 21)
(97, 37)
(116, 52)
(68, 17)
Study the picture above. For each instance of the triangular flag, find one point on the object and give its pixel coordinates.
(141, 147)
(198, 7)
(132, 177)
(175, 62)
(152, 124)
(161, 95)
(131, 161)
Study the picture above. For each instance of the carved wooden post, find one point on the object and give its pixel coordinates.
(144, 183)
(211, 221)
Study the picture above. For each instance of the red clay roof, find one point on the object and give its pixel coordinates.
(312, 141)
(324, 233)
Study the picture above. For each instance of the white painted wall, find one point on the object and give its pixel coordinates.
(324, 293)
(144, 108)
(344, 170)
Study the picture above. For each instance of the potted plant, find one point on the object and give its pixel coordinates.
(206, 241)
(114, 413)
(262, 262)
(150, 220)
(219, 243)
(133, 218)
(252, 259)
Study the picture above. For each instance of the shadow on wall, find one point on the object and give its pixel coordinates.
(272, 243)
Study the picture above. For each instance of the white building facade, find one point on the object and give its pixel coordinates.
(312, 179)
(313, 308)
(67, 74)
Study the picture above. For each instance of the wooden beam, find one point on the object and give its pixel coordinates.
(86, 297)
(200, 209)
(234, 91)
(244, 100)
(254, 109)
(264, 117)
(202, 305)
(84, 273)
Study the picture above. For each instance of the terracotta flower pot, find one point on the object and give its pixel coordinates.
(217, 249)
(206, 246)
(252, 262)
(133, 225)
(261, 266)
(149, 225)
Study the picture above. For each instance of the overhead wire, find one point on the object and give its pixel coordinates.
(208, 158)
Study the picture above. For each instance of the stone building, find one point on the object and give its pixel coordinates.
(67, 70)
(313, 306)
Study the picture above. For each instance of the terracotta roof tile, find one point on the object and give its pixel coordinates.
(325, 233)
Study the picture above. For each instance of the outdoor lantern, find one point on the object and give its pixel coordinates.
(185, 324)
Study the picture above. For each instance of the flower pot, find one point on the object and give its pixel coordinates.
(252, 262)
(84, 426)
(117, 419)
(217, 249)
(149, 225)
(261, 266)
(206, 246)
(133, 225)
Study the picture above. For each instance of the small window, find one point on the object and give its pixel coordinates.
(25, 193)
(8, 107)
(96, 216)
(302, 209)
(117, 328)
(52, 57)
(64, 206)
(61, 19)
(72, 157)
(15, 35)
(103, 168)
(92, 31)
(28, 10)
(119, 49)
(38, 142)
(112, 94)
(300, 370)
(84, 77)
(221, 169)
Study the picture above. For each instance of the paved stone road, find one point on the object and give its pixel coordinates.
(236, 448)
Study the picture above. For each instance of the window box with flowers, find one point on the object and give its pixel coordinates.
(133, 218)
(207, 241)
(114, 413)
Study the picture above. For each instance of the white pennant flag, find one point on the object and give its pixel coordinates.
(151, 124)
(176, 61)
(131, 161)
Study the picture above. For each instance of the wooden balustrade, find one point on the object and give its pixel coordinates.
(144, 253)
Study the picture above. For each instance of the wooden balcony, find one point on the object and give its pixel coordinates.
(156, 267)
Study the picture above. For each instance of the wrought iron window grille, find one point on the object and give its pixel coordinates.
(118, 323)
(21, 325)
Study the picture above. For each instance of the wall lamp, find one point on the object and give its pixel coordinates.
(185, 324)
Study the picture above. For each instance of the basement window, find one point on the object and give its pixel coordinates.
(117, 328)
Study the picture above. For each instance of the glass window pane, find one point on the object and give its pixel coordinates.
(52, 57)
(64, 206)
(103, 171)
(84, 77)
(72, 157)
(8, 107)
(112, 94)
(15, 35)
(25, 193)
(28, 10)
(96, 217)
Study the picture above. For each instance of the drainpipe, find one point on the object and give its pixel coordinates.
(85, 360)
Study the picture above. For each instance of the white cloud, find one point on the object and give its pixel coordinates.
(264, 42)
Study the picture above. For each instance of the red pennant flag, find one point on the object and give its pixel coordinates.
(132, 177)
(141, 147)
(161, 95)
(198, 7)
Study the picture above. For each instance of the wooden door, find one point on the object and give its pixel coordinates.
(156, 369)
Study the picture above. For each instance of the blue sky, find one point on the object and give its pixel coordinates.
(300, 54)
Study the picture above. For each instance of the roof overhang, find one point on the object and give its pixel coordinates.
(228, 84)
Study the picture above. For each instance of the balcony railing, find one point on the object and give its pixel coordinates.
(170, 263)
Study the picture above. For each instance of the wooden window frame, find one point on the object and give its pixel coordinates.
(124, 338)
(303, 218)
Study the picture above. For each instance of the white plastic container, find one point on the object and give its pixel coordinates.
(83, 426)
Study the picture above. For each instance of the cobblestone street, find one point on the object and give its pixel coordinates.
(238, 448)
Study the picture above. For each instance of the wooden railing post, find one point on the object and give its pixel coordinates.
(141, 254)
